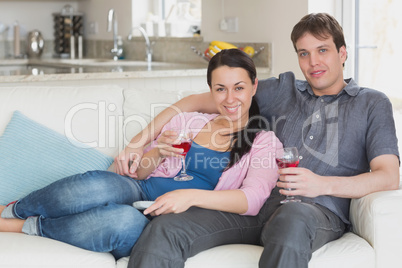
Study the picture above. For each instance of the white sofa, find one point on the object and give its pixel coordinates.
(104, 115)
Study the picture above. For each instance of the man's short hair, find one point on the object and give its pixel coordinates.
(321, 26)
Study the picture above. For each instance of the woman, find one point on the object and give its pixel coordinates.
(232, 161)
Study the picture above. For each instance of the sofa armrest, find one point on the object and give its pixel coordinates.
(377, 218)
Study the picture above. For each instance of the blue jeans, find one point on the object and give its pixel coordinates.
(289, 234)
(91, 211)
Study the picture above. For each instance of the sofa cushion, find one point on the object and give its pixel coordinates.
(348, 251)
(377, 217)
(88, 114)
(21, 250)
(34, 156)
(142, 105)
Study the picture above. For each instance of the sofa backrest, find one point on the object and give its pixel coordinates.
(142, 105)
(104, 117)
(87, 114)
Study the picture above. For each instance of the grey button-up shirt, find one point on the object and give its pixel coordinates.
(336, 135)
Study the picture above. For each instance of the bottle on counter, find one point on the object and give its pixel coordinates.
(80, 47)
(72, 47)
(17, 51)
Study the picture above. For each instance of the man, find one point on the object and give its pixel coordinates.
(346, 138)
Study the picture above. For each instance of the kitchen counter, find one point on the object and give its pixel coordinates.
(90, 72)
(24, 70)
(30, 70)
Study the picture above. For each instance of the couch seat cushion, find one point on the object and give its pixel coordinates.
(21, 250)
(348, 251)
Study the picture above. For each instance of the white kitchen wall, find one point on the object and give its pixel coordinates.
(31, 15)
(269, 21)
(38, 15)
(96, 12)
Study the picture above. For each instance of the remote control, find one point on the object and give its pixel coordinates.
(142, 205)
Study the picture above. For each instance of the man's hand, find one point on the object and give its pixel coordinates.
(302, 181)
(126, 163)
(384, 176)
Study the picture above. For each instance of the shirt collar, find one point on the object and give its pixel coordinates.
(351, 88)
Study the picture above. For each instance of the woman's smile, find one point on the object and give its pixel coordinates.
(232, 109)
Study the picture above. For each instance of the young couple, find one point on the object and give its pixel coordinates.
(345, 135)
(232, 161)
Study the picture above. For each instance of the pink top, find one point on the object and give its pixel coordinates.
(255, 173)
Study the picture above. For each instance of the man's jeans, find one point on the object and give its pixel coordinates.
(289, 234)
(91, 210)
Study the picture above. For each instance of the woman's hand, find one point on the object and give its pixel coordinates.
(172, 202)
(126, 163)
(165, 142)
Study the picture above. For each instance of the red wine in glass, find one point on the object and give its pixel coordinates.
(285, 164)
(185, 145)
(185, 137)
(286, 158)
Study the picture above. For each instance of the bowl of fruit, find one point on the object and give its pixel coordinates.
(217, 46)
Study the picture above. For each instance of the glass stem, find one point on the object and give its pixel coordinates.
(288, 196)
(183, 160)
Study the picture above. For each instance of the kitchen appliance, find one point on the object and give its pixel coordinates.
(35, 44)
(68, 29)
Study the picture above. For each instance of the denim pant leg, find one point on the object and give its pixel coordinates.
(295, 231)
(79, 193)
(111, 228)
(170, 239)
(91, 210)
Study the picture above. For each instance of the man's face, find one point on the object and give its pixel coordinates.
(321, 64)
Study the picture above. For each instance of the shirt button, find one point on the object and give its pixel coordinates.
(317, 116)
(300, 157)
(322, 100)
(311, 137)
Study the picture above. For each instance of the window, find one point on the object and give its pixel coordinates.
(175, 18)
(375, 51)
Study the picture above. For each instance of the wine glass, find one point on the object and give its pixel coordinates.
(185, 136)
(288, 157)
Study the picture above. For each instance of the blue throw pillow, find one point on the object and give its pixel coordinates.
(33, 156)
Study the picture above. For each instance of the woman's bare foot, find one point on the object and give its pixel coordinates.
(2, 208)
(10, 225)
